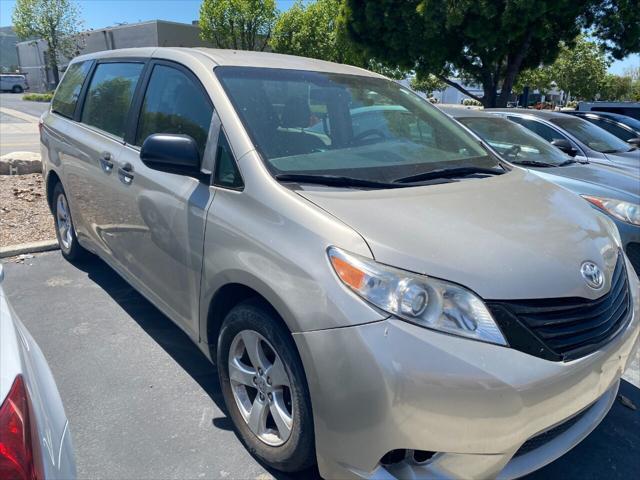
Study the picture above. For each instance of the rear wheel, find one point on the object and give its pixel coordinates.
(65, 231)
(264, 387)
(17, 89)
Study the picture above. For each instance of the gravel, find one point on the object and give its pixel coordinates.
(24, 213)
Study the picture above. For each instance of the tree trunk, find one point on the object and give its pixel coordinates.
(490, 94)
(53, 64)
(56, 73)
(513, 68)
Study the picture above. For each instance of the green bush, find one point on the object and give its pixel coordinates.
(38, 97)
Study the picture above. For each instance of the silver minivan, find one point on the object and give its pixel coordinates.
(385, 299)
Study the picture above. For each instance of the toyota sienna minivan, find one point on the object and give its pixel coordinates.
(384, 299)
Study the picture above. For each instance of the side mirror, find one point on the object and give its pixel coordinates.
(565, 145)
(634, 142)
(172, 153)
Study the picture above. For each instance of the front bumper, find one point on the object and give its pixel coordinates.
(392, 385)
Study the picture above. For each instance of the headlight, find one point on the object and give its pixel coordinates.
(425, 301)
(625, 211)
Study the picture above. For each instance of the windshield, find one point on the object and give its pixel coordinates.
(331, 124)
(591, 135)
(513, 141)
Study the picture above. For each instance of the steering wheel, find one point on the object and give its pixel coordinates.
(368, 133)
(513, 151)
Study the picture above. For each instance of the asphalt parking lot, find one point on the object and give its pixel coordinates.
(19, 134)
(14, 101)
(144, 403)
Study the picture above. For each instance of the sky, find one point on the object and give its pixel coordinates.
(103, 13)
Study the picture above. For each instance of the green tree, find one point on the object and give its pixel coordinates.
(427, 83)
(313, 29)
(540, 79)
(482, 41)
(57, 22)
(617, 24)
(616, 87)
(580, 69)
(238, 24)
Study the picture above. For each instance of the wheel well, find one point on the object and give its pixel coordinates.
(52, 179)
(223, 301)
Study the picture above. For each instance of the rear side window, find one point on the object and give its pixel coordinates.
(174, 103)
(109, 96)
(66, 97)
(612, 128)
(548, 133)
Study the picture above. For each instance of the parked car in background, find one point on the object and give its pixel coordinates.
(610, 190)
(35, 442)
(382, 299)
(630, 109)
(576, 137)
(623, 127)
(13, 83)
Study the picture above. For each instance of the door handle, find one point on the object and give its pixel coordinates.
(125, 172)
(106, 162)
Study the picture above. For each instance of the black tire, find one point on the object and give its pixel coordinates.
(71, 250)
(298, 451)
(17, 89)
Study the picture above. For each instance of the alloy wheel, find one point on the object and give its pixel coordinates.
(261, 387)
(63, 222)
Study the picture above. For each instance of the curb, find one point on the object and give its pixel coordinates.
(31, 247)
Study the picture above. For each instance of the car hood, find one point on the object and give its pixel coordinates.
(594, 179)
(513, 236)
(630, 161)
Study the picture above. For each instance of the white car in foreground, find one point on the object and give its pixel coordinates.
(35, 442)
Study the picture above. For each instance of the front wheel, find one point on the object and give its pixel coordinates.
(264, 387)
(17, 89)
(65, 231)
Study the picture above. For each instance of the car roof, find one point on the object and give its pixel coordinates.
(546, 114)
(235, 58)
(597, 113)
(457, 112)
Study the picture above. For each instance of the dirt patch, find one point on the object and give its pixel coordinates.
(24, 213)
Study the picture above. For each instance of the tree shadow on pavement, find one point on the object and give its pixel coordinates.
(174, 341)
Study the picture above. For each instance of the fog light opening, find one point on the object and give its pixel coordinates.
(393, 457)
(422, 456)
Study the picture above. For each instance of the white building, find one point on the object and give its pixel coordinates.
(32, 54)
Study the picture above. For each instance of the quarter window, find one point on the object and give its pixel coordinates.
(109, 97)
(174, 103)
(66, 97)
(226, 172)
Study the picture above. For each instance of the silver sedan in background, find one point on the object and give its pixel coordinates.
(577, 137)
(35, 442)
(614, 191)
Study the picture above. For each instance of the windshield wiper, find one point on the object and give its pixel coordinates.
(449, 173)
(569, 161)
(340, 181)
(533, 163)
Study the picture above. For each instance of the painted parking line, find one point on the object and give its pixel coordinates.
(18, 114)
